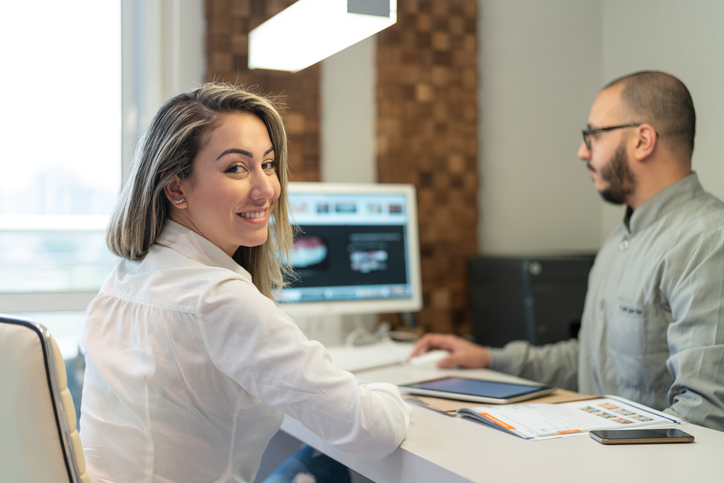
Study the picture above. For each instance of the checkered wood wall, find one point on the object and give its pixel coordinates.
(426, 126)
(427, 135)
(227, 43)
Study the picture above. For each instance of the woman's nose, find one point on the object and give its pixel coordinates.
(262, 187)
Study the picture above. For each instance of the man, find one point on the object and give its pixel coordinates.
(653, 323)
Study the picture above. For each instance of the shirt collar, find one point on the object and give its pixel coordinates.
(662, 202)
(197, 248)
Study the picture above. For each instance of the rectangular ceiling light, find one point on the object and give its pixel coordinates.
(311, 30)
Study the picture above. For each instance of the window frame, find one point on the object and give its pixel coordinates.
(150, 38)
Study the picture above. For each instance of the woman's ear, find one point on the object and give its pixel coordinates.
(175, 193)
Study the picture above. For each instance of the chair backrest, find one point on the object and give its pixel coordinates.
(39, 441)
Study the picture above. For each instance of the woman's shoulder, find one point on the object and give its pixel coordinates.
(168, 279)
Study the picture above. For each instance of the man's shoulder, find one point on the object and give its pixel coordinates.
(705, 209)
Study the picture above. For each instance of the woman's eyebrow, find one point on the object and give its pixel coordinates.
(243, 152)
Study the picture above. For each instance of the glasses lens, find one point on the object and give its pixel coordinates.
(586, 140)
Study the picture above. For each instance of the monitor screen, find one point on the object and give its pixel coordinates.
(357, 250)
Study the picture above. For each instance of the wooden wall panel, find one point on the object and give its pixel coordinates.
(427, 135)
(426, 126)
(228, 25)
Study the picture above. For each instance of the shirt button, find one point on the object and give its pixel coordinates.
(624, 245)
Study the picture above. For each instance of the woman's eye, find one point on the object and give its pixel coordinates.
(269, 165)
(235, 169)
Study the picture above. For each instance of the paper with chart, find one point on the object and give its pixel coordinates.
(540, 421)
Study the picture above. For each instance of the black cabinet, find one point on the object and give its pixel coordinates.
(538, 299)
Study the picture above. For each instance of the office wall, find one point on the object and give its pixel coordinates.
(163, 55)
(685, 39)
(540, 68)
(172, 44)
(541, 65)
(228, 26)
(183, 46)
(347, 86)
(427, 88)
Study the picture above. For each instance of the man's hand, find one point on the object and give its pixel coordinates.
(462, 353)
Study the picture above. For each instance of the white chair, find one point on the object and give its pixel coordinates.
(39, 441)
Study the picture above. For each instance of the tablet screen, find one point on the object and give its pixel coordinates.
(477, 388)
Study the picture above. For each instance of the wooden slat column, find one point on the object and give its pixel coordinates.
(427, 135)
(228, 25)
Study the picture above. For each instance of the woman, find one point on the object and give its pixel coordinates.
(190, 364)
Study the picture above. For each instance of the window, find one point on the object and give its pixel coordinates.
(61, 162)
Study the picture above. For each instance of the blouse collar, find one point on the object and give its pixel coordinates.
(197, 248)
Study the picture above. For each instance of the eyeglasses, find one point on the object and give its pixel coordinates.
(588, 132)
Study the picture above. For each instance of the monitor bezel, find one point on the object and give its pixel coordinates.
(376, 306)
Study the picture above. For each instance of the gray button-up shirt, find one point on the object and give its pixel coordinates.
(653, 323)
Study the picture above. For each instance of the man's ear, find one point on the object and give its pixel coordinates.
(175, 193)
(646, 141)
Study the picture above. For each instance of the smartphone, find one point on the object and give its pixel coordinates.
(633, 436)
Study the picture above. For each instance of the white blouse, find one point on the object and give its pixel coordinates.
(190, 370)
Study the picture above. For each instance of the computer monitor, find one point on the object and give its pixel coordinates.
(357, 250)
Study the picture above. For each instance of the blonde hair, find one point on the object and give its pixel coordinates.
(177, 132)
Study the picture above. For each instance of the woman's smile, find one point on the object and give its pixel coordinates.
(254, 215)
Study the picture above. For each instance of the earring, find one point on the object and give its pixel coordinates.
(178, 202)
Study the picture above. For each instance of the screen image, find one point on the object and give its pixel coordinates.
(334, 256)
(354, 243)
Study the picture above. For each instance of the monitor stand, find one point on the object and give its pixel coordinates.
(337, 330)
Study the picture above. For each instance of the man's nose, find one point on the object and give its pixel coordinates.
(584, 154)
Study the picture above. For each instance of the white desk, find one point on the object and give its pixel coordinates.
(446, 449)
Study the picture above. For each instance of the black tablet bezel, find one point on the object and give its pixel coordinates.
(534, 391)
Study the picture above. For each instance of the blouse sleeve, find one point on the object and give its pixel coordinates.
(257, 345)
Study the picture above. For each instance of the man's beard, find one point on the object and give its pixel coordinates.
(621, 181)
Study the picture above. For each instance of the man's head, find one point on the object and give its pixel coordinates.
(663, 101)
(640, 137)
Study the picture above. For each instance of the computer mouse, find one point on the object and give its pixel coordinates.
(429, 358)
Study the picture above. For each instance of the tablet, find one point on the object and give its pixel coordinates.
(476, 390)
